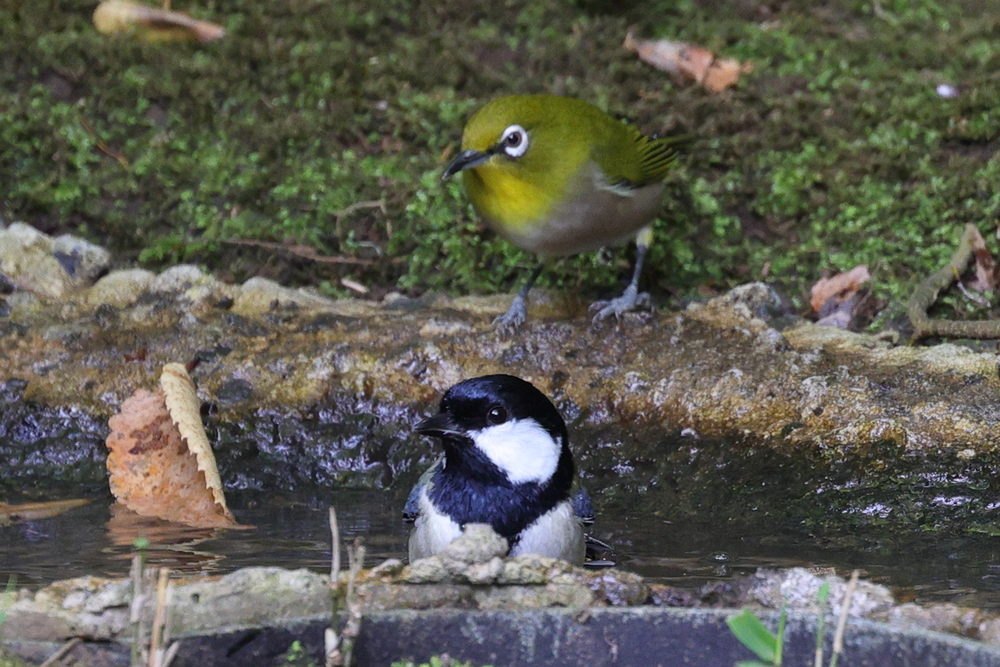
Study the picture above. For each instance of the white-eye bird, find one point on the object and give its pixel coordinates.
(506, 463)
(557, 176)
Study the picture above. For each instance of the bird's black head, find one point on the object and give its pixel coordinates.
(501, 425)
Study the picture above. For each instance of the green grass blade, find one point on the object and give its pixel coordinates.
(748, 629)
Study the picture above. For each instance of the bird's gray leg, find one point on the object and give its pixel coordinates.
(631, 298)
(518, 311)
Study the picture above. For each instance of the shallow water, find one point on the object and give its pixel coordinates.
(292, 532)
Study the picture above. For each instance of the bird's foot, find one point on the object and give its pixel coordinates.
(631, 299)
(515, 316)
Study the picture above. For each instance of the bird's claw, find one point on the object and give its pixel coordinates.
(631, 299)
(515, 316)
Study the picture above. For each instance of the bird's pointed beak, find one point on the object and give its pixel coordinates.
(438, 426)
(467, 159)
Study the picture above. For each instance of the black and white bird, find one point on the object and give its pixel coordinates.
(506, 463)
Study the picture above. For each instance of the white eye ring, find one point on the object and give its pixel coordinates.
(514, 141)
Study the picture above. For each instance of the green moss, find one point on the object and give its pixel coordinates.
(435, 661)
(835, 151)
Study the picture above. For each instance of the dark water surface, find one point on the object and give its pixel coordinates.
(292, 532)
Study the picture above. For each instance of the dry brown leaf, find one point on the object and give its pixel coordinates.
(155, 25)
(986, 277)
(11, 514)
(157, 471)
(688, 63)
(839, 288)
(185, 411)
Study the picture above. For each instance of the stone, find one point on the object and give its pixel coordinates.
(50, 268)
(120, 288)
(797, 588)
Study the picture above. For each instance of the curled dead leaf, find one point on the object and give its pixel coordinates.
(985, 265)
(155, 25)
(838, 288)
(159, 460)
(688, 63)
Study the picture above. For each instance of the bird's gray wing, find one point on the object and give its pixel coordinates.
(412, 507)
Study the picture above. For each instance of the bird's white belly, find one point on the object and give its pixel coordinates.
(557, 534)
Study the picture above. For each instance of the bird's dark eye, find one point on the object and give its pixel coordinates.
(514, 141)
(496, 415)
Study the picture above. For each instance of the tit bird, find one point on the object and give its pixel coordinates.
(506, 463)
(558, 176)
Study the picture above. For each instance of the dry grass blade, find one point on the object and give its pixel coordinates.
(61, 653)
(845, 610)
(158, 636)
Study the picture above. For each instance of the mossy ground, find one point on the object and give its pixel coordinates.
(836, 150)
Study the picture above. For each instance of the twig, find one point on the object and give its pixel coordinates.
(171, 653)
(335, 555)
(355, 605)
(357, 206)
(331, 640)
(158, 636)
(978, 300)
(135, 610)
(845, 608)
(926, 293)
(101, 146)
(304, 251)
(61, 653)
(821, 597)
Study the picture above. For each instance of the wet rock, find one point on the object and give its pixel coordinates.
(945, 617)
(234, 391)
(250, 597)
(726, 398)
(120, 288)
(98, 608)
(86, 606)
(798, 589)
(471, 572)
(49, 267)
(259, 296)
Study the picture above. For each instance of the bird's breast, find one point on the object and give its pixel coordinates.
(557, 534)
(587, 214)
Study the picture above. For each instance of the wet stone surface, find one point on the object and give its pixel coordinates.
(728, 411)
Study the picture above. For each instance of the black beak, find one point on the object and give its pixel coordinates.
(438, 426)
(465, 160)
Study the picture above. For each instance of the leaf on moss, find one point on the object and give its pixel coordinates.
(829, 293)
(687, 63)
(11, 514)
(985, 266)
(160, 462)
(154, 25)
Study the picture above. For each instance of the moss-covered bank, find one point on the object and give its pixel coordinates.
(836, 150)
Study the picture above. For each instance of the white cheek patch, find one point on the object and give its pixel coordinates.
(521, 448)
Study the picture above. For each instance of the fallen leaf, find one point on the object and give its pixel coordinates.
(185, 411)
(160, 462)
(828, 293)
(154, 25)
(688, 63)
(11, 514)
(986, 270)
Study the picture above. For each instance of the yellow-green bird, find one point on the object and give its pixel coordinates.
(557, 176)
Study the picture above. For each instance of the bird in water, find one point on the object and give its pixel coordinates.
(506, 463)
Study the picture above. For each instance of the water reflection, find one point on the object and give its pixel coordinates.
(292, 532)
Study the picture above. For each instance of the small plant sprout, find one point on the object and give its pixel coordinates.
(753, 634)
